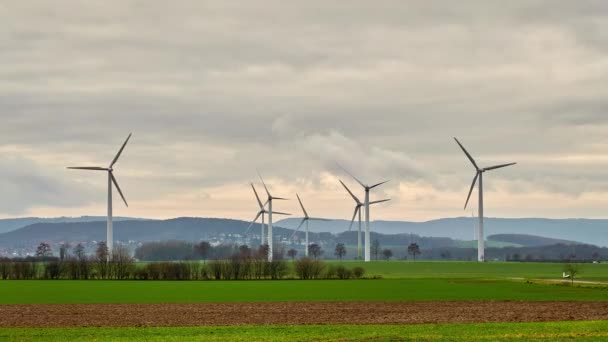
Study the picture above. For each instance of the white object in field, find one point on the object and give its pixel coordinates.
(111, 180)
(305, 219)
(479, 175)
(270, 212)
(367, 203)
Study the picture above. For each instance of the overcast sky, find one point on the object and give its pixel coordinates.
(214, 90)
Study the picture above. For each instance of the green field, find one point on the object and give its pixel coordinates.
(74, 291)
(401, 281)
(455, 269)
(557, 331)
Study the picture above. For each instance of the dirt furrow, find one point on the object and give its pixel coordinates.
(134, 315)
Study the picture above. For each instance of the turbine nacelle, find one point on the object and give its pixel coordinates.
(478, 169)
(109, 169)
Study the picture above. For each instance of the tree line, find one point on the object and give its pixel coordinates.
(243, 264)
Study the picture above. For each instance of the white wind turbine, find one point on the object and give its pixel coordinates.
(261, 213)
(270, 212)
(111, 179)
(358, 205)
(367, 203)
(305, 219)
(479, 175)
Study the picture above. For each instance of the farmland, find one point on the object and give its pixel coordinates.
(552, 331)
(493, 299)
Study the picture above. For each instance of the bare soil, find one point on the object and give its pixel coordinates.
(136, 315)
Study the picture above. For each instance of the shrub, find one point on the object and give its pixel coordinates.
(358, 272)
(278, 269)
(343, 272)
(330, 272)
(52, 270)
(307, 268)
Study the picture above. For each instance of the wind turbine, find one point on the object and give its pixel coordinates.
(367, 188)
(305, 219)
(260, 213)
(479, 175)
(358, 205)
(270, 212)
(111, 179)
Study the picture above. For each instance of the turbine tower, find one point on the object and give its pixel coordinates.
(270, 212)
(260, 213)
(305, 219)
(111, 179)
(479, 175)
(367, 203)
(358, 205)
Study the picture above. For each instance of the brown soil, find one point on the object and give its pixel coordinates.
(135, 315)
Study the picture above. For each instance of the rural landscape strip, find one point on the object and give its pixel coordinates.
(294, 313)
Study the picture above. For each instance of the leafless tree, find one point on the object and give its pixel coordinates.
(292, 253)
(375, 249)
(44, 250)
(340, 251)
(387, 254)
(315, 251)
(202, 250)
(413, 249)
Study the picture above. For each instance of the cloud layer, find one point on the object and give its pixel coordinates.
(214, 90)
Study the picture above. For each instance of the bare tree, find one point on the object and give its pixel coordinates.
(315, 251)
(387, 254)
(202, 250)
(375, 248)
(244, 252)
(292, 253)
(44, 250)
(262, 252)
(413, 249)
(64, 251)
(122, 262)
(340, 251)
(571, 270)
(79, 251)
(101, 260)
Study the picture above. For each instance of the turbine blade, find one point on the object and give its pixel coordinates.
(265, 187)
(257, 197)
(302, 206)
(120, 151)
(471, 191)
(498, 166)
(118, 188)
(280, 198)
(380, 201)
(299, 226)
(319, 219)
(357, 208)
(280, 213)
(467, 153)
(375, 185)
(94, 168)
(253, 222)
(350, 192)
(350, 174)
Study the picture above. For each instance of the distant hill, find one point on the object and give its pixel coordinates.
(525, 240)
(444, 232)
(462, 228)
(7, 225)
(188, 229)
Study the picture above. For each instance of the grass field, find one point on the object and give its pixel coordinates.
(70, 291)
(402, 281)
(556, 331)
(454, 269)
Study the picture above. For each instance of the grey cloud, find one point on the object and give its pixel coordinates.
(213, 90)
